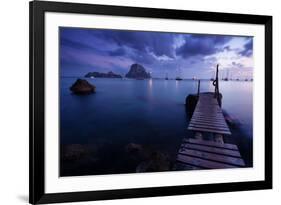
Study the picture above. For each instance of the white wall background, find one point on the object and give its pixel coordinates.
(14, 100)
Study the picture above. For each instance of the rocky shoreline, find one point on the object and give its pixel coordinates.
(83, 159)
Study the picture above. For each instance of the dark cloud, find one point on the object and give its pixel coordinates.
(142, 57)
(248, 49)
(117, 52)
(158, 43)
(202, 45)
(74, 44)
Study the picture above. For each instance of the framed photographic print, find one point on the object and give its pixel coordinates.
(140, 102)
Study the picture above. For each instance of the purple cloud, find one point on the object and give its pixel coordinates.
(201, 45)
(86, 50)
(248, 49)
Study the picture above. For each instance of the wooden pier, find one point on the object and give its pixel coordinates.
(206, 154)
(208, 116)
(208, 119)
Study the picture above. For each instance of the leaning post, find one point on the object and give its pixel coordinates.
(216, 84)
(198, 88)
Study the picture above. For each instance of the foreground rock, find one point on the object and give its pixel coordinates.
(78, 152)
(149, 160)
(102, 75)
(157, 162)
(137, 71)
(82, 87)
(73, 152)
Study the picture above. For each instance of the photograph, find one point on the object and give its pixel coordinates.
(133, 101)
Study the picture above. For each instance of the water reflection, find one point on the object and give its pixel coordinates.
(177, 84)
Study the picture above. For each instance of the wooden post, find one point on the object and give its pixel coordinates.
(216, 84)
(198, 88)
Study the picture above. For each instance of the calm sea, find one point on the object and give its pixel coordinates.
(150, 112)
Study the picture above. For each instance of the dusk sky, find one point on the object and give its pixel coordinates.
(183, 55)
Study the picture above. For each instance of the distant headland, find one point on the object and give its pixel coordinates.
(110, 74)
(137, 71)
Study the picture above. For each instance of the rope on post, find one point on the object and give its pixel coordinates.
(216, 84)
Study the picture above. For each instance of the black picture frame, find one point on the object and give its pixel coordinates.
(37, 10)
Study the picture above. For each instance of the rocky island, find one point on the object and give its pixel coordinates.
(137, 71)
(110, 74)
(82, 87)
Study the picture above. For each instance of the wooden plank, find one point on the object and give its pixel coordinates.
(213, 107)
(203, 110)
(200, 121)
(202, 162)
(207, 113)
(208, 119)
(210, 126)
(209, 130)
(203, 123)
(233, 153)
(211, 143)
(208, 103)
(207, 122)
(182, 166)
(208, 116)
(214, 157)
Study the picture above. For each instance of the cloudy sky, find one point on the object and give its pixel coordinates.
(174, 54)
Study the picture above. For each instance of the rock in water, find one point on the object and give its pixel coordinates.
(137, 71)
(82, 87)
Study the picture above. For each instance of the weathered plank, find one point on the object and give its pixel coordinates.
(209, 130)
(211, 143)
(233, 153)
(212, 119)
(213, 157)
(206, 123)
(202, 162)
(207, 120)
(183, 166)
(208, 116)
(213, 126)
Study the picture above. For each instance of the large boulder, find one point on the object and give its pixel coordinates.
(82, 87)
(137, 71)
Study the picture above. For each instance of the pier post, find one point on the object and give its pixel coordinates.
(198, 88)
(216, 84)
